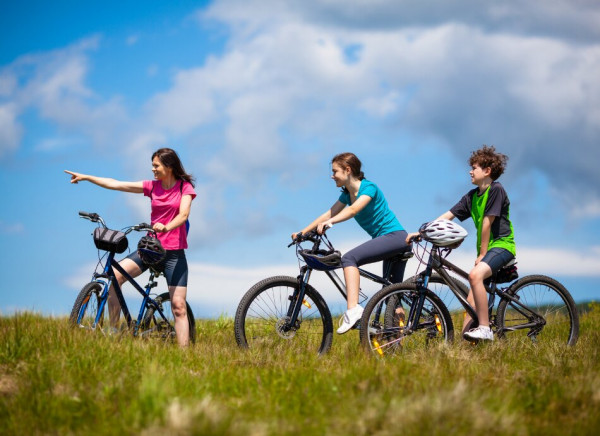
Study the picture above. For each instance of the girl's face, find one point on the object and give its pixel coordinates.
(340, 175)
(160, 171)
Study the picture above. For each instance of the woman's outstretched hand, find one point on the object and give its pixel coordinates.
(75, 177)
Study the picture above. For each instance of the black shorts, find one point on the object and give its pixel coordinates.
(175, 267)
(496, 258)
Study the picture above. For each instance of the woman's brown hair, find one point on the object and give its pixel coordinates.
(349, 160)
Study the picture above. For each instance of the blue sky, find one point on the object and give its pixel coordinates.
(257, 96)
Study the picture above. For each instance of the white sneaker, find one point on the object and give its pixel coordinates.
(351, 317)
(481, 333)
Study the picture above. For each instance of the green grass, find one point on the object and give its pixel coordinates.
(59, 380)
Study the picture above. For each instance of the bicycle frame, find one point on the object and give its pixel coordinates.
(108, 278)
(439, 264)
(304, 277)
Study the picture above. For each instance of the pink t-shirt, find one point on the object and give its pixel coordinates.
(165, 207)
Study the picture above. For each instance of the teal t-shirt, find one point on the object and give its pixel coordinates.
(376, 218)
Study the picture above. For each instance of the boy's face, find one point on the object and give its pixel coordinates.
(479, 175)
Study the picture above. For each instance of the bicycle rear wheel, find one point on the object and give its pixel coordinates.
(85, 313)
(261, 319)
(558, 317)
(388, 319)
(154, 326)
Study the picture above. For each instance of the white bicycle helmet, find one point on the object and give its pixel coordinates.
(443, 233)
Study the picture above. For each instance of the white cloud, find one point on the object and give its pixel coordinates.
(11, 130)
(11, 228)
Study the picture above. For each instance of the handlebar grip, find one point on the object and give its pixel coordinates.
(89, 215)
(296, 240)
(143, 226)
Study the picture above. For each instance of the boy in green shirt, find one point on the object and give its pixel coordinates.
(488, 205)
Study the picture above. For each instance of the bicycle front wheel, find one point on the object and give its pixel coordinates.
(262, 322)
(440, 288)
(392, 325)
(552, 314)
(88, 312)
(154, 326)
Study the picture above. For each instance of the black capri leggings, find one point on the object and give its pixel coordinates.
(378, 249)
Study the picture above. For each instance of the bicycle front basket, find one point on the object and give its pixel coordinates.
(110, 240)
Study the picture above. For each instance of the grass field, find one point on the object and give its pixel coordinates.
(57, 380)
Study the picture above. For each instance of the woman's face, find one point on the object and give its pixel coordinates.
(340, 174)
(160, 171)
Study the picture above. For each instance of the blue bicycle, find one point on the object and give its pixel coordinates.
(155, 317)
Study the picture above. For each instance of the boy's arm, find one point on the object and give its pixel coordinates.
(447, 216)
(486, 230)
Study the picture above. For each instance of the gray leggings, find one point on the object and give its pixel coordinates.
(381, 248)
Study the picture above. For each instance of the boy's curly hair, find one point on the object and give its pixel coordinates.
(488, 157)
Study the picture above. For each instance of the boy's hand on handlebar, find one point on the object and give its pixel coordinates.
(416, 236)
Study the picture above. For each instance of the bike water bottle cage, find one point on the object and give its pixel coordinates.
(151, 251)
(443, 233)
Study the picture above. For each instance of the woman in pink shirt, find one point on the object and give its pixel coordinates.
(171, 193)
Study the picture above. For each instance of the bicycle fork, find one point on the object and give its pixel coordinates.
(297, 300)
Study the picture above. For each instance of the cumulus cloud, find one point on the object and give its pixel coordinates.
(10, 129)
(519, 76)
(54, 84)
(295, 74)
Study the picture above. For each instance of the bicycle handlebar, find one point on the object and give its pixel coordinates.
(95, 218)
(311, 236)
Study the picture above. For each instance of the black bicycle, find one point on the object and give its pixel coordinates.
(155, 317)
(405, 316)
(281, 311)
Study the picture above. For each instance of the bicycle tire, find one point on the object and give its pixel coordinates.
(547, 297)
(262, 313)
(153, 326)
(387, 336)
(85, 309)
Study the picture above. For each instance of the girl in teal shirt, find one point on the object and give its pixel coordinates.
(362, 200)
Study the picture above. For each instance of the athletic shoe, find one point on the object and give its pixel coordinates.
(350, 318)
(481, 333)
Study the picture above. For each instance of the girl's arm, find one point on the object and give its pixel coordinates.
(104, 182)
(180, 219)
(337, 207)
(346, 213)
(486, 231)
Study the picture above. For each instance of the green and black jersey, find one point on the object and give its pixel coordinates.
(493, 202)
